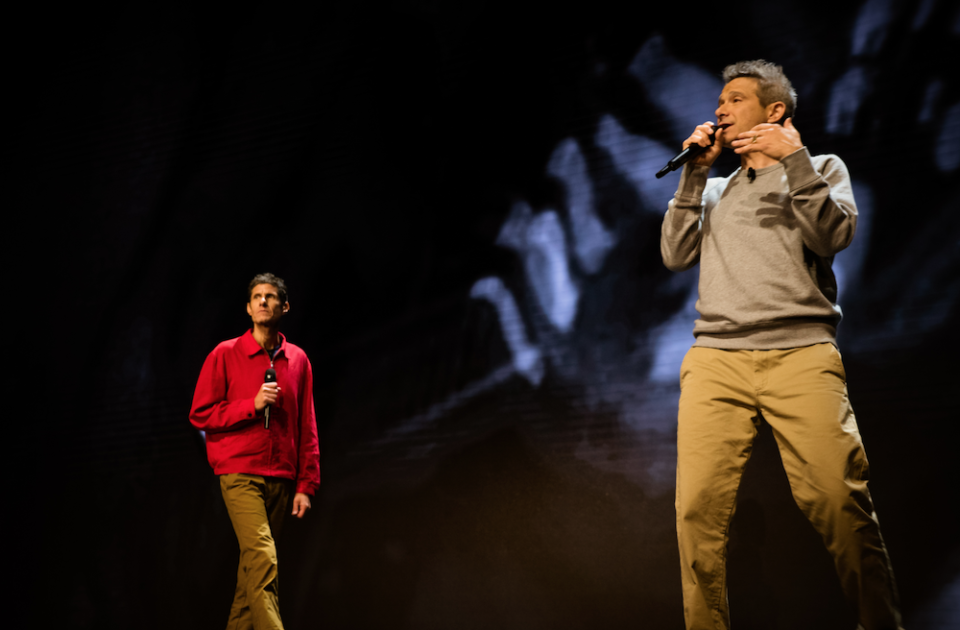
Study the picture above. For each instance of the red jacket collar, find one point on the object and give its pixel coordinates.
(251, 347)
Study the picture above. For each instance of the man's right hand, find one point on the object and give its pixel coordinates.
(266, 396)
(701, 135)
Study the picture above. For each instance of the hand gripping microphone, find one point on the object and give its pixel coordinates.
(269, 377)
(686, 155)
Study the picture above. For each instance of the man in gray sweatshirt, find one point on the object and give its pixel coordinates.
(765, 238)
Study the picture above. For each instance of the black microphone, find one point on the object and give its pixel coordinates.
(686, 155)
(270, 376)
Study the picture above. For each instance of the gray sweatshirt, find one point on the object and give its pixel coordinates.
(765, 250)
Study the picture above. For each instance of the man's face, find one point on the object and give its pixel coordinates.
(739, 108)
(264, 306)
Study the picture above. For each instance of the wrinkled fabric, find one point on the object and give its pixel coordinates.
(802, 394)
(256, 506)
(237, 441)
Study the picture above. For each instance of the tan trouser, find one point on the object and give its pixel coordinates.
(802, 394)
(256, 505)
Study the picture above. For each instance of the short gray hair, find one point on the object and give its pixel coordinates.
(268, 278)
(772, 84)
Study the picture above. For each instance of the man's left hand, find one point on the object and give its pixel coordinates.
(772, 140)
(301, 503)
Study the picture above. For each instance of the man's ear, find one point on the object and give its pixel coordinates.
(776, 112)
(249, 311)
(286, 306)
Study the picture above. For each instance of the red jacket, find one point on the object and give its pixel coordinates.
(223, 408)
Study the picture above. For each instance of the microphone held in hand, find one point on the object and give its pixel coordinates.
(685, 156)
(269, 377)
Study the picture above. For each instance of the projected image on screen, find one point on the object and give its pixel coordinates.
(567, 314)
(588, 321)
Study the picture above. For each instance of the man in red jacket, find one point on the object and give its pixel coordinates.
(262, 442)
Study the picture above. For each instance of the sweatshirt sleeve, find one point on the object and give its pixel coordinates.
(822, 201)
(211, 411)
(680, 233)
(308, 457)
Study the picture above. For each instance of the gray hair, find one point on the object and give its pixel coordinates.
(268, 278)
(772, 84)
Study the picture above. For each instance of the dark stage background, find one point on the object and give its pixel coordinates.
(461, 198)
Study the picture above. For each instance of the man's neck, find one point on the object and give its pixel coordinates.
(267, 337)
(756, 161)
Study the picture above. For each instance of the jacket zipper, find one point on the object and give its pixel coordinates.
(266, 421)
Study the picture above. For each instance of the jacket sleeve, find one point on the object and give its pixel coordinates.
(822, 202)
(308, 459)
(211, 411)
(680, 233)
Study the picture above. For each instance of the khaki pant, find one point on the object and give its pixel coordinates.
(802, 394)
(256, 506)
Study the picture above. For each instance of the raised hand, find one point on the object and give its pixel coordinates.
(266, 396)
(701, 136)
(774, 141)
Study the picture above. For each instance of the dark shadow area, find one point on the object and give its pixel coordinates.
(499, 535)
